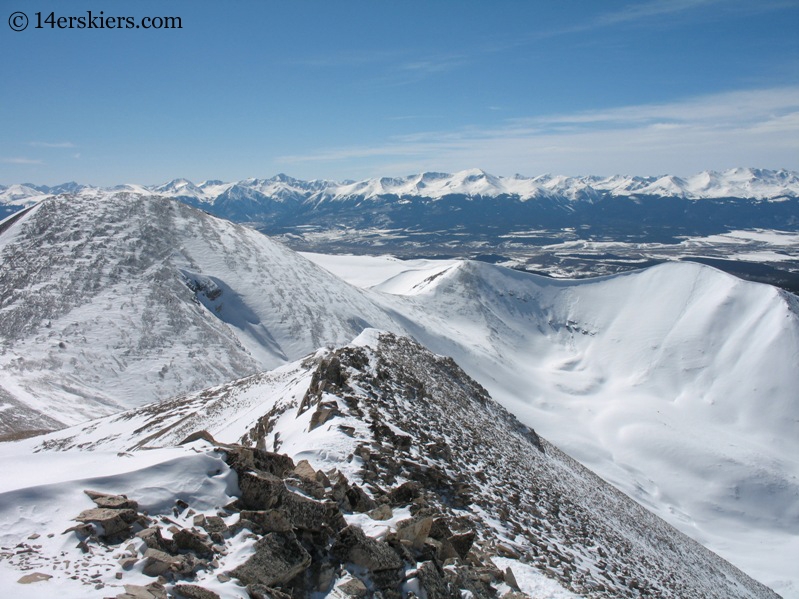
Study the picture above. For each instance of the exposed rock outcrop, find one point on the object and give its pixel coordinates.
(429, 506)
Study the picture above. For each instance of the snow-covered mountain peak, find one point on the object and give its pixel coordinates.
(476, 182)
(180, 187)
(668, 185)
(17, 193)
(210, 183)
(758, 184)
(129, 188)
(473, 175)
(68, 187)
(126, 298)
(431, 176)
(284, 178)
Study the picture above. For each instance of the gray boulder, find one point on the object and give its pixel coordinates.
(215, 524)
(151, 591)
(260, 490)
(112, 521)
(352, 545)
(461, 543)
(154, 540)
(260, 591)
(434, 583)
(415, 531)
(278, 558)
(243, 459)
(404, 494)
(307, 514)
(116, 502)
(188, 540)
(353, 588)
(266, 521)
(157, 562)
(192, 591)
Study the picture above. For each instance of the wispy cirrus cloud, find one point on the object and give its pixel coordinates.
(741, 128)
(402, 67)
(19, 160)
(414, 71)
(656, 10)
(641, 14)
(349, 59)
(647, 10)
(392, 67)
(49, 144)
(435, 64)
(728, 110)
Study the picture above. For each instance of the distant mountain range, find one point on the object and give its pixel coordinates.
(482, 206)
(746, 183)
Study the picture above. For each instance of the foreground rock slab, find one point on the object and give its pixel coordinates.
(278, 558)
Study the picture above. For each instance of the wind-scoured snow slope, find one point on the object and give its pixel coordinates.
(677, 383)
(384, 410)
(42, 493)
(113, 301)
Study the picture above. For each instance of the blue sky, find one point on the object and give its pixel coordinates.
(342, 89)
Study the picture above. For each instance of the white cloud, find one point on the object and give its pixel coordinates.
(648, 10)
(742, 128)
(433, 65)
(20, 161)
(726, 109)
(655, 11)
(48, 144)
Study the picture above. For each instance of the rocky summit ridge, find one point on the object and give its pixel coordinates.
(374, 469)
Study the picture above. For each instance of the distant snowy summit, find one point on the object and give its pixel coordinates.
(738, 183)
(746, 183)
(476, 204)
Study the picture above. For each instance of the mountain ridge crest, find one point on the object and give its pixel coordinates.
(740, 182)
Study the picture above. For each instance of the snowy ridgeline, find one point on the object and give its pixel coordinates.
(733, 183)
(385, 438)
(473, 213)
(657, 380)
